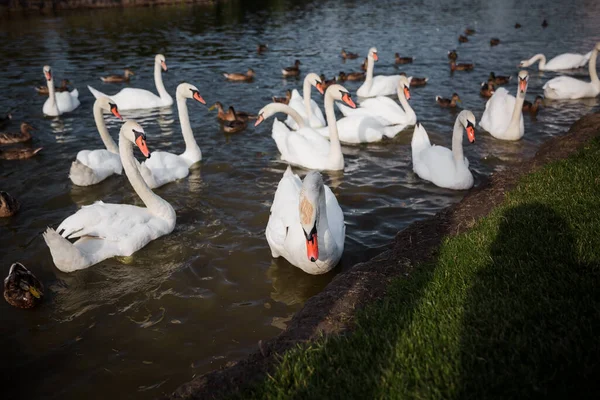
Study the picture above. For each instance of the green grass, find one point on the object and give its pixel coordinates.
(510, 309)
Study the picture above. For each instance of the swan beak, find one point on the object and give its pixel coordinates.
(199, 98)
(141, 143)
(163, 65)
(48, 75)
(319, 87)
(36, 293)
(375, 57)
(471, 133)
(407, 93)
(312, 248)
(523, 85)
(115, 112)
(348, 100)
(259, 120)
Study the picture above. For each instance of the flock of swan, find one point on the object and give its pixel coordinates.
(306, 223)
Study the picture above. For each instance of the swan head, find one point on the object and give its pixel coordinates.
(134, 132)
(404, 85)
(373, 53)
(467, 119)
(187, 91)
(315, 81)
(523, 81)
(47, 72)
(107, 104)
(310, 194)
(160, 59)
(338, 92)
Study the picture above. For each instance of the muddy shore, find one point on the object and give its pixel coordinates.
(332, 311)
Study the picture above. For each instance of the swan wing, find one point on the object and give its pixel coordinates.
(100, 160)
(166, 167)
(284, 211)
(568, 61)
(335, 219)
(384, 85)
(565, 87)
(498, 111)
(360, 129)
(67, 102)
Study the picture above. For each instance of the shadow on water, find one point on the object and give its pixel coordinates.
(530, 316)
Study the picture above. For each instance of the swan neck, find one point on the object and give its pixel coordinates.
(515, 120)
(306, 94)
(108, 141)
(335, 149)
(592, 68)
(158, 81)
(370, 68)
(457, 140)
(541, 58)
(52, 95)
(192, 152)
(406, 105)
(284, 108)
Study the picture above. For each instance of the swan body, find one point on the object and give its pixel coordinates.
(503, 117)
(108, 230)
(444, 167)
(306, 223)
(565, 87)
(58, 103)
(560, 62)
(305, 106)
(379, 85)
(135, 99)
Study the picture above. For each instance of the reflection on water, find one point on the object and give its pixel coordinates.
(194, 300)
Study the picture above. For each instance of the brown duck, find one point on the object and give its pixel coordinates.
(20, 137)
(349, 56)
(451, 103)
(18, 153)
(533, 108)
(294, 70)
(351, 76)
(486, 90)
(127, 73)
(284, 100)
(452, 55)
(517, 25)
(402, 60)
(21, 288)
(326, 83)
(230, 115)
(544, 24)
(247, 77)
(235, 125)
(8, 205)
(43, 90)
(363, 66)
(461, 67)
(261, 48)
(416, 82)
(499, 79)
(469, 31)
(463, 39)
(494, 42)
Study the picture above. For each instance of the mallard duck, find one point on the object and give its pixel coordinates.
(221, 114)
(21, 288)
(499, 79)
(351, 76)
(118, 78)
(20, 137)
(544, 24)
(469, 31)
(463, 39)
(451, 103)
(487, 90)
(261, 48)
(517, 25)
(494, 42)
(326, 83)
(18, 153)
(348, 55)
(284, 100)
(8, 205)
(43, 90)
(294, 70)
(247, 77)
(415, 82)
(533, 108)
(236, 125)
(461, 67)
(402, 60)
(452, 55)
(363, 66)
(5, 120)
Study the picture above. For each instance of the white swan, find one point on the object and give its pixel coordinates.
(166, 167)
(503, 115)
(560, 62)
(565, 87)
(306, 147)
(135, 99)
(380, 85)
(93, 166)
(61, 102)
(306, 225)
(439, 165)
(108, 230)
(305, 105)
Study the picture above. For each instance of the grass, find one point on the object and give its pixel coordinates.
(510, 309)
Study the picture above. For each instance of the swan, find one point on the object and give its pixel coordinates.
(305, 105)
(560, 62)
(503, 115)
(306, 147)
(386, 108)
(61, 102)
(306, 223)
(93, 166)
(439, 165)
(135, 99)
(380, 85)
(166, 167)
(565, 87)
(109, 230)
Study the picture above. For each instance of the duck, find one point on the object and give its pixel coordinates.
(21, 288)
(503, 117)
(5, 120)
(294, 70)
(127, 73)
(452, 102)
(560, 62)
(237, 77)
(284, 100)
(463, 39)
(544, 24)
(517, 25)
(351, 76)
(565, 87)
(487, 89)
(380, 85)
(235, 125)
(261, 48)
(45, 91)
(8, 205)
(461, 67)
(305, 147)
(499, 79)
(469, 31)
(402, 60)
(439, 165)
(348, 55)
(534, 107)
(231, 115)
(494, 42)
(416, 82)
(104, 230)
(305, 106)
(58, 103)
(364, 64)
(93, 166)
(22, 136)
(137, 99)
(306, 223)
(326, 83)
(452, 55)
(19, 153)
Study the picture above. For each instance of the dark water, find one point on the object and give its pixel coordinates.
(192, 301)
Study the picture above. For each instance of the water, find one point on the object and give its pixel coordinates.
(203, 296)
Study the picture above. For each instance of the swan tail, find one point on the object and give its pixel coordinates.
(391, 131)
(97, 94)
(82, 175)
(420, 140)
(75, 93)
(66, 256)
(288, 171)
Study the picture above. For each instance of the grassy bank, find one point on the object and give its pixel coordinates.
(510, 309)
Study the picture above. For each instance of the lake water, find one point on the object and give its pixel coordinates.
(204, 295)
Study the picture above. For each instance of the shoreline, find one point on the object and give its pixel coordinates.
(332, 311)
(9, 7)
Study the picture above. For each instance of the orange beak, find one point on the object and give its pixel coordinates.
(48, 75)
(320, 87)
(141, 143)
(163, 65)
(375, 57)
(471, 134)
(116, 113)
(522, 85)
(199, 98)
(348, 100)
(259, 120)
(407, 93)
(312, 248)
